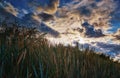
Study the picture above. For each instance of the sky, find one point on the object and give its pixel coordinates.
(85, 7)
(94, 23)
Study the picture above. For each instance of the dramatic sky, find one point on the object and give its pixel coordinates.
(94, 23)
(97, 12)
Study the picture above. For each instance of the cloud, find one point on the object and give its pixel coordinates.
(10, 8)
(117, 35)
(36, 17)
(96, 12)
(42, 17)
(84, 11)
(90, 31)
(52, 7)
(47, 6)
(25, 11)
(46, 17)
(118, 32)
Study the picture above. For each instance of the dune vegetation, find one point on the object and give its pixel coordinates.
(22, 55)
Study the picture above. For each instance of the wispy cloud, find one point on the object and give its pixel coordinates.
(36, 17)
(10, 8)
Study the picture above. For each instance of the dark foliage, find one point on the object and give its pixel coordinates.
(22, 55)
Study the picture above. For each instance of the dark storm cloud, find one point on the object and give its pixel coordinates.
(90, 31)
(44, 10)
(42, 17)
(46, 17)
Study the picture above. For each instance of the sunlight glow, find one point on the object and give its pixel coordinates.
(81, 41)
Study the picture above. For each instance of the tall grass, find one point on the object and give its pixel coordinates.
(24, 56)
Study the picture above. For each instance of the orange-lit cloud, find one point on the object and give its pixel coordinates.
(117, 36)
(96, 13)
(36, 17)
(10, 8)
(51, 9)
(48, 8)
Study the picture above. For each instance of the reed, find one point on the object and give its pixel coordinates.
(22, 55)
